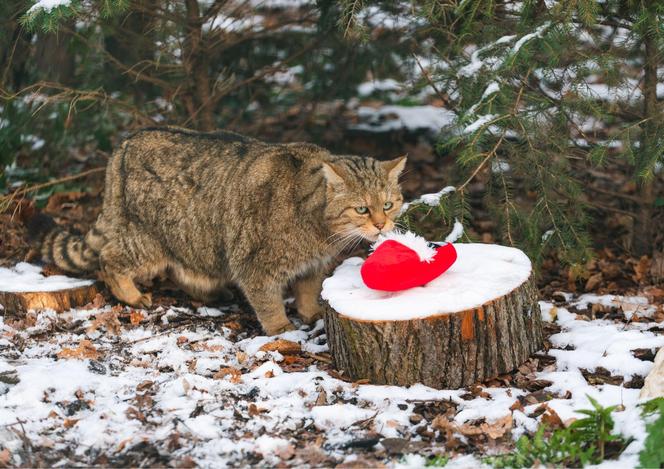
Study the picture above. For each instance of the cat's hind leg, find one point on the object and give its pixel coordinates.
(202, 287)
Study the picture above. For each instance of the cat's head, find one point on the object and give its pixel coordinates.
(363, 196)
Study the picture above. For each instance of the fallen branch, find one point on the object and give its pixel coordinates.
(6, 200)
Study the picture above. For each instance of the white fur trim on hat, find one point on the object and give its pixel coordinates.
(410, 240)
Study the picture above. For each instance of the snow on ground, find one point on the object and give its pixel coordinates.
(393, 117)
(116, 386)
(480, 273)
(26, 277)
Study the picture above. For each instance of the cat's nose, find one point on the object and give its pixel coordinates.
(379, 225)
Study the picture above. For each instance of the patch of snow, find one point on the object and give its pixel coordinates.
(369, 87)
(491, 88)
(535, 34)
(393, 117)
(481, 272)
(629, 305)
(375, 16)
(338, 416)
(456, 233)
(232, 24)
(601, 344)
(281, 3)
(479, 123)
(24, 277)
(499, 166)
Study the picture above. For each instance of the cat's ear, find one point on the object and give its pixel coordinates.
(333, 174)
(394, 167)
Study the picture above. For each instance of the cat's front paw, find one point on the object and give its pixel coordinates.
(280, 329)
(310, 315)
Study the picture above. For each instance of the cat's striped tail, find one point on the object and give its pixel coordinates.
(70, 252)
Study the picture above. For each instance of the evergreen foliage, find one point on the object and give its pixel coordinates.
(652, 454)
(546, 92)
(585, 441)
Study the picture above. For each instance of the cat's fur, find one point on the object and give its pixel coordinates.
(211, 209)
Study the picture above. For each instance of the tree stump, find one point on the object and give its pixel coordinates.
(23, 288)
(478, 320)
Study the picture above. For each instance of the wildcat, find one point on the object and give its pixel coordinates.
(213, 209)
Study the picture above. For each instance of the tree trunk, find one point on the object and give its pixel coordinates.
(445, 351)
(196, 66)
(643, 229)
(18, 303)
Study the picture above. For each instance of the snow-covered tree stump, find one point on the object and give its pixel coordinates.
(478, 320)
(24, 288)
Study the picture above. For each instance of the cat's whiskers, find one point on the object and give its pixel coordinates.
(349, 236)
(342, 237)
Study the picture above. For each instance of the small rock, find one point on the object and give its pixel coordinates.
(97, 367)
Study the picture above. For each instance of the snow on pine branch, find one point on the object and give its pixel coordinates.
(47, 5)
(432, 200)
(456, 233)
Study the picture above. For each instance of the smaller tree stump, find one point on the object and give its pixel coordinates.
(478, 320)
(24, 288)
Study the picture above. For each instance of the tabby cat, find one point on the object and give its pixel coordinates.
(213, 209)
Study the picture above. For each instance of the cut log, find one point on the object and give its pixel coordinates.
(654, 383)
(24, 288)
(478, 320)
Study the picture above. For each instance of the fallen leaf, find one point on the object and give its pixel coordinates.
(594, 281)
(97, 302)
(517, 406)
(136, 317)
(285, 452)
(234, 373)
(144, 385)
(182, 340)
(186, 462)
(68, 423)
(84, 350)
(284, 347)
(58, 199)
(5, 457)
(108, 320)
(552, 419)
(322, 398)
(254, 410)
(657, 266)
(498, 428)
(641, 269)
(135, 414)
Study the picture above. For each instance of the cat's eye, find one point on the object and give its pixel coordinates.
(388, 205)
(362, 210)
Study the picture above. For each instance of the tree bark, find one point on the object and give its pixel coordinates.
(446, 351)
(196, 66)
(643, 230)
(19, 303)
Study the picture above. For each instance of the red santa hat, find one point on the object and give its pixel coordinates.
(402, 260)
